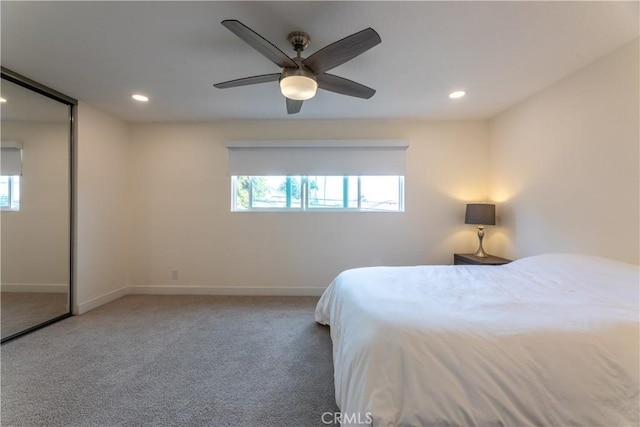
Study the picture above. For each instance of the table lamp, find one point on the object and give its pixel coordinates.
(480, 214)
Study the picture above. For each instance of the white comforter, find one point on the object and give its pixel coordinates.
(546, 340)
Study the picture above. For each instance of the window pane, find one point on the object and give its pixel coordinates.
(326, 192)
(352, 188)
(242, 192)
(15, 192)
(10, 192)
(380, 193)
(276, 192)
(4, 192)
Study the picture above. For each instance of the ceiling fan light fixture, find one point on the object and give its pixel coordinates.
(298, 84)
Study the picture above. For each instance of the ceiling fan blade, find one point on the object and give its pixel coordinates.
(263, 78)
(293, 106)
(259, 43)
(344, 86)
(342, 51)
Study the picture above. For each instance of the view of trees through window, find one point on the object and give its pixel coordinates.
(366, 193)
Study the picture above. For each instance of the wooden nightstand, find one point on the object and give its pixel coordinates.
(471, 259)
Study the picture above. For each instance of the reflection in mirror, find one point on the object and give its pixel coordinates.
(35, 196)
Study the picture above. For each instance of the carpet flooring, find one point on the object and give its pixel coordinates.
(22, 310)
(173, 361)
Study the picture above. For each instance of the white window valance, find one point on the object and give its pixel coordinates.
(10, 158)
(317, 157)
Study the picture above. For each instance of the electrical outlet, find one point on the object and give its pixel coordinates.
(174, 274)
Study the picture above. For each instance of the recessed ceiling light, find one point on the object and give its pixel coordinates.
(139, 97)
(2, 100)
(457, 94)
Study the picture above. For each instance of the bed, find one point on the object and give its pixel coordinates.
(547, 340)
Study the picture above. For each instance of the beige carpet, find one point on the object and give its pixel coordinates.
(173, 361)
(23, 310)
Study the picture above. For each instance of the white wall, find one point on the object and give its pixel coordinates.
(565, 165)
(35, 239)
(562, 167)
(181, 208)
(103, 210)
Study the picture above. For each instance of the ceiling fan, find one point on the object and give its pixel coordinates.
(300, 77)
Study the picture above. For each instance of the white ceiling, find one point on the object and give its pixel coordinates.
(499, 52)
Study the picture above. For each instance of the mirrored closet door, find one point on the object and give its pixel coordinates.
(35, 205)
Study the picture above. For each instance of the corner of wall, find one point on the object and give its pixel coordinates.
(565, 162)
(103, 220)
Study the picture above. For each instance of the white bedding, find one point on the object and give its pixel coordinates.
(546, 340)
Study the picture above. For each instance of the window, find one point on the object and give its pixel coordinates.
(10, 171)
(317, 175)
(315, 193)
(10, 193)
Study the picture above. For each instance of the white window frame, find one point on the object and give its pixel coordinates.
(304, 205)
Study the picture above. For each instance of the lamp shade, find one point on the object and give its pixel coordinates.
(481, 214)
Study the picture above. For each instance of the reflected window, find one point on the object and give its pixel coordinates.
(10, 193)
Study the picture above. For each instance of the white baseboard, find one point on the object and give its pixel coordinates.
(98, 301)
(194, 290)
(210, 290)
(41, 288)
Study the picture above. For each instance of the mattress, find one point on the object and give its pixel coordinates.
(545, 340)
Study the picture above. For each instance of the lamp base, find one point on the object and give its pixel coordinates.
(480, 253)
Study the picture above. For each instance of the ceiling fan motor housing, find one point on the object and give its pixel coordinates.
(299, 40)
(303, 71)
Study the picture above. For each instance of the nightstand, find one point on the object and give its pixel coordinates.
(471, 259)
